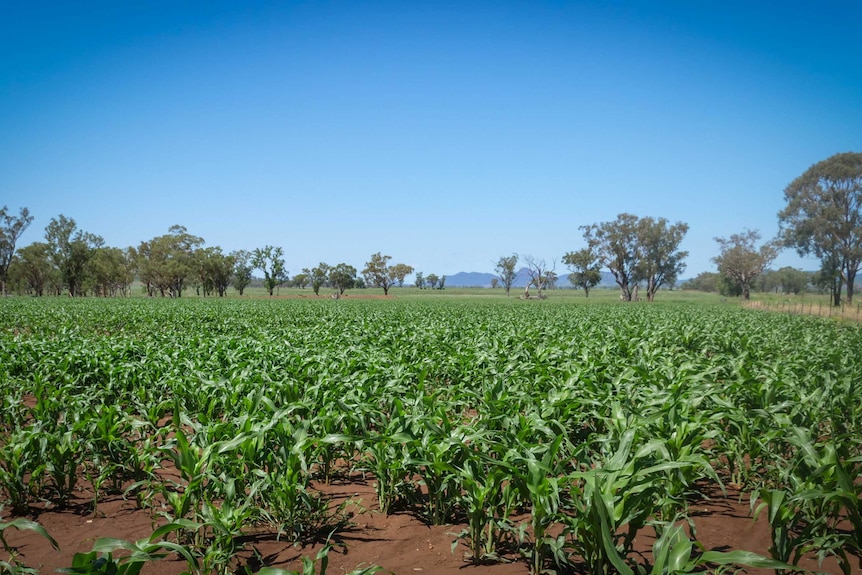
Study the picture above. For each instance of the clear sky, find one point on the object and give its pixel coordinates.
(445, 134)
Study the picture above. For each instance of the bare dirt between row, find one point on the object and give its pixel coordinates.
(400, 543)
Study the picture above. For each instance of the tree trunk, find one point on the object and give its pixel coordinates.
(851, 278)
(836, 292)
(746, 291)
(626, 294)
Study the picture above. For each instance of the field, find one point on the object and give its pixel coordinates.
(446, 435)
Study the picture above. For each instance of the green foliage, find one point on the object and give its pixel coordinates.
(823, 215)
(741, 260)
(560, 432)
(586, 269)
(11, 228)
(506, 270)
(12, 565)
(270, 260)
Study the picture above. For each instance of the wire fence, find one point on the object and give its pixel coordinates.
(820, 309)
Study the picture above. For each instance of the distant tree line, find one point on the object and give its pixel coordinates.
(822, 217)
(78, 263)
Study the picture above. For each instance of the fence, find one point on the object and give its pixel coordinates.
(821, 309)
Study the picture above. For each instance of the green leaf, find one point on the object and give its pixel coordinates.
(747, 558)
(23, 524)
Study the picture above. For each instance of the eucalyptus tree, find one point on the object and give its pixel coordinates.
(616, 244)
(401, 271)
(166, 262)
(11, 228)
(741, 260)
(270, 260)
(419, 281)
(300, 280)
(379, 273)
(431, 281)
(540, 273)
(242, 270)
(704, 281)
(506, 270)
(585, 267)
(784, 280)
(638, 250)
(215, 270)
(829, 278)
(32, 268)
(660, 260)
(317, 276)
(111, 271)
(823, 215)
(69, 251)
(342, 277)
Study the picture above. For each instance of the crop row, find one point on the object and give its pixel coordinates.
(560, 432)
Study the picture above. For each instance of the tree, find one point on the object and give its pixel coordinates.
(215, 270)
(442, 283)
(69, 250)
(342, 277)
(11, 228)
(585, 267)
(242, 270)
(792, 280)
(270, 260)
(420, 280)
(786, 280)
(166, 262)
(301, 280)
(431, 280)
(318, 276)
(495, 282)
(32, 266)
(616, 245)
(823, 216)
(741, 261)
(111, 271)
(506, 270)
(828, 278)
(659, 260)
(379, 273)
(401, 271)
(705, 281)
(539, 272)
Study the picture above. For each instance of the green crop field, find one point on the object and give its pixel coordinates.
(555, 431)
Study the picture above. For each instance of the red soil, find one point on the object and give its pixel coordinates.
(400, 543)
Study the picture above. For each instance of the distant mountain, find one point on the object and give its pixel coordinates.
(469, 279)
(480, 279)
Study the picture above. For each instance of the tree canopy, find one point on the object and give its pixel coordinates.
(741, 260)
(70, 249)
(167, 261)
(506, 270)
(823, 216)
(660, 261)
(585, 267)
(11, 228)
(270, 260)
(638, 249)
(379, 273)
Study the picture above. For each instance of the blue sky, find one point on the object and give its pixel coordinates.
(443, 134)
